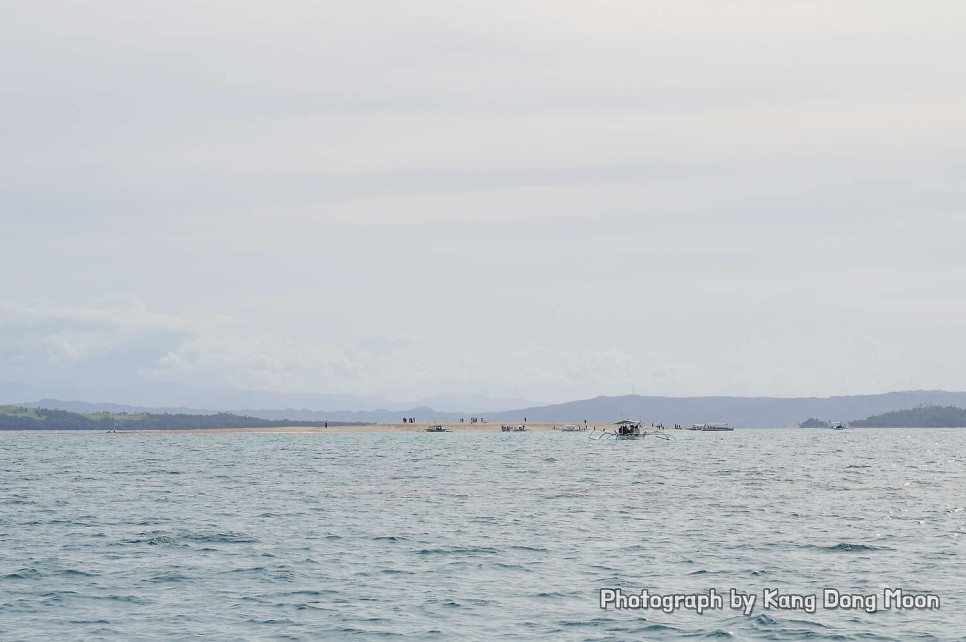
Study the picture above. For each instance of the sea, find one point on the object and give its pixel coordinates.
(487, 536)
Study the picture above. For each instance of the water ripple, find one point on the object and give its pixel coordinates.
(318, 537)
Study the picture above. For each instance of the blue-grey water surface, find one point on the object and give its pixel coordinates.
(474, 536)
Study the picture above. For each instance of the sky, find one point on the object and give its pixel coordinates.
(547, 200)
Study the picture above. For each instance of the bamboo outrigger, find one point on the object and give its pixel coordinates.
(627, 429)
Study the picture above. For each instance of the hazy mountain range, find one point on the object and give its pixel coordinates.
(166, 397)
(747, 412)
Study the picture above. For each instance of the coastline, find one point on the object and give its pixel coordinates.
(454, 428)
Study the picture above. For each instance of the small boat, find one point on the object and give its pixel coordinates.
(627, 429)
(573, 428)
(516, 428)
(437, 428)
(711, 427)
(837, 425)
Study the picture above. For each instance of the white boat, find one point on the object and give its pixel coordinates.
(516, 428)
(711, 427)
(437, 428)
(837, 425)
(573, 428)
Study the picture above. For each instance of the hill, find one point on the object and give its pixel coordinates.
(20, 418)
(742, 412)
(812, 422)
(919, 417)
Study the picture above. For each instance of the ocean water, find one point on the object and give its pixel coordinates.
(476, 537)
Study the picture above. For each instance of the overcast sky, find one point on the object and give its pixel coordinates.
(545, 199)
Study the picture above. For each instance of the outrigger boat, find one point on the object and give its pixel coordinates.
(711, 427)
(838, 425)
(437, 428)
(573, 428)
(627, 429)
(516, 428)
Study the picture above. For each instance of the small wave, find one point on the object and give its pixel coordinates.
(152, 540)
(458, 550)
(599, 622)
(129, 599)
(251, 569)
(848, 547)
(311, 593)
(550, 594)
(24, 574)
(89, 622)
(225, 538)
(156, 538)
(165, 578)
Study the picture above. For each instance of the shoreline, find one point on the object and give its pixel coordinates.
(389, 428)
(394, 428)
(386, 429)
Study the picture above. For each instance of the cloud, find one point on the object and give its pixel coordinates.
(57, 343)
(121, 341)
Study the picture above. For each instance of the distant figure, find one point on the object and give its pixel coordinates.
(327, 424)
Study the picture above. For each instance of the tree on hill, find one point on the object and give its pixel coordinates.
(812, 422)
(14, 418)
(922, 416)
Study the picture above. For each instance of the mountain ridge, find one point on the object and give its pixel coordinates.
(746, 412)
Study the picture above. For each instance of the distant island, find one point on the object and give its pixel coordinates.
(20, 418)
(812, 422)
(924, 416)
